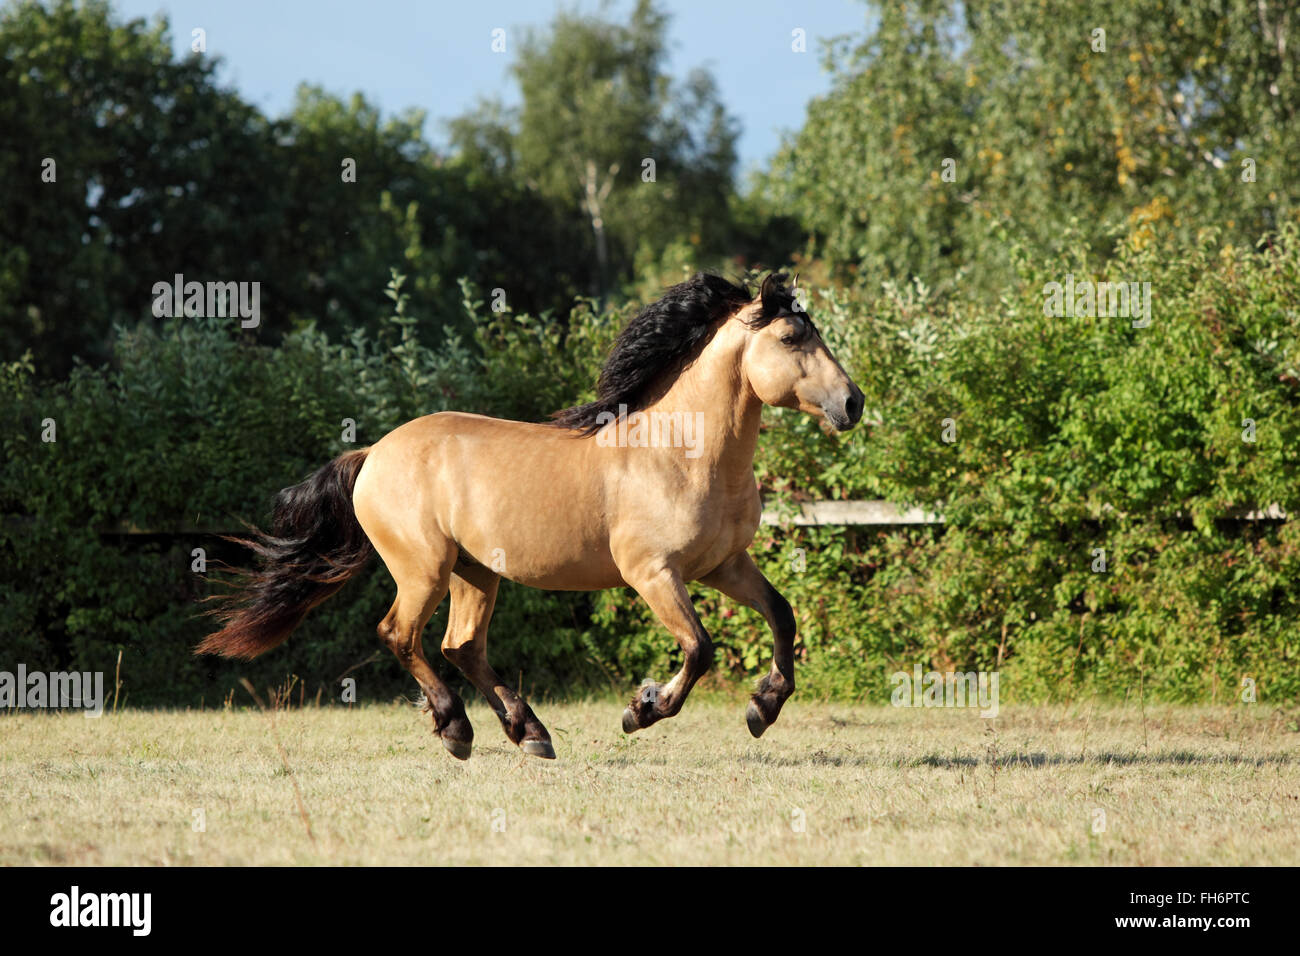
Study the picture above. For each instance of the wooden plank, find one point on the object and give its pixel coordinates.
(126, 529)
(885, 513)
(808, 513)
(851, 513)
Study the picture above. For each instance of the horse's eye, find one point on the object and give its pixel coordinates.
(799, 332)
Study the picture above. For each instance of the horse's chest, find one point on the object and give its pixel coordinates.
(723, 525)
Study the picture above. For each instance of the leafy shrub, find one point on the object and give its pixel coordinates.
(1072, 435)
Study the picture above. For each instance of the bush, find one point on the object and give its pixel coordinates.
(195, 428)
(1073, 436)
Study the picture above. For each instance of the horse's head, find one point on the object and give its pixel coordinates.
(787, 363)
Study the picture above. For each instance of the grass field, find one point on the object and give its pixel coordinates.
(828, 784)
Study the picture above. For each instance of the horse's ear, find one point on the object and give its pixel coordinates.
(773, 294)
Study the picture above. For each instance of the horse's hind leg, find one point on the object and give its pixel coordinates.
(418, 596)
(473, 595)
(739, 579)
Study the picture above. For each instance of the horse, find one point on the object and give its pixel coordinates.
(651, 485)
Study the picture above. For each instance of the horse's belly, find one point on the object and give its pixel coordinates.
(547, 554)
(543, 528)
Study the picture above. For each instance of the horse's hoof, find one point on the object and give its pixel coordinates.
(538, 748)
(629, 721)
(460, 749)
(754, 718)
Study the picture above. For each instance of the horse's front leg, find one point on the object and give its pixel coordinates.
(666, 593)
(739, 578)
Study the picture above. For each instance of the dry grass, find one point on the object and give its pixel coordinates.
(871, 785)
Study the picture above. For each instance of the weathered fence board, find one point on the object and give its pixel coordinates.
(807, 513)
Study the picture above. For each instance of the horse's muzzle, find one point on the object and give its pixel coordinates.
(845, 412)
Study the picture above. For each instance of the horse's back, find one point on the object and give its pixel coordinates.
(519, 497)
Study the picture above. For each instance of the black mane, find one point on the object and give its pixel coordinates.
(665, 335)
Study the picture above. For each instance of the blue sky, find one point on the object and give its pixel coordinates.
(436, 55)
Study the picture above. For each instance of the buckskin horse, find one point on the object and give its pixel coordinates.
(455, 502)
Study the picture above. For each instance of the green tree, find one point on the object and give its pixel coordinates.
(1122, 114)
(599, 117)
(156, 171)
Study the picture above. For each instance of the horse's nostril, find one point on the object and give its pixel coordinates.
(853, 405)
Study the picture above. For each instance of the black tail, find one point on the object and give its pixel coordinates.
(316, 544)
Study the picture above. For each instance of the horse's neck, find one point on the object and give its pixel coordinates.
(713, 390)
